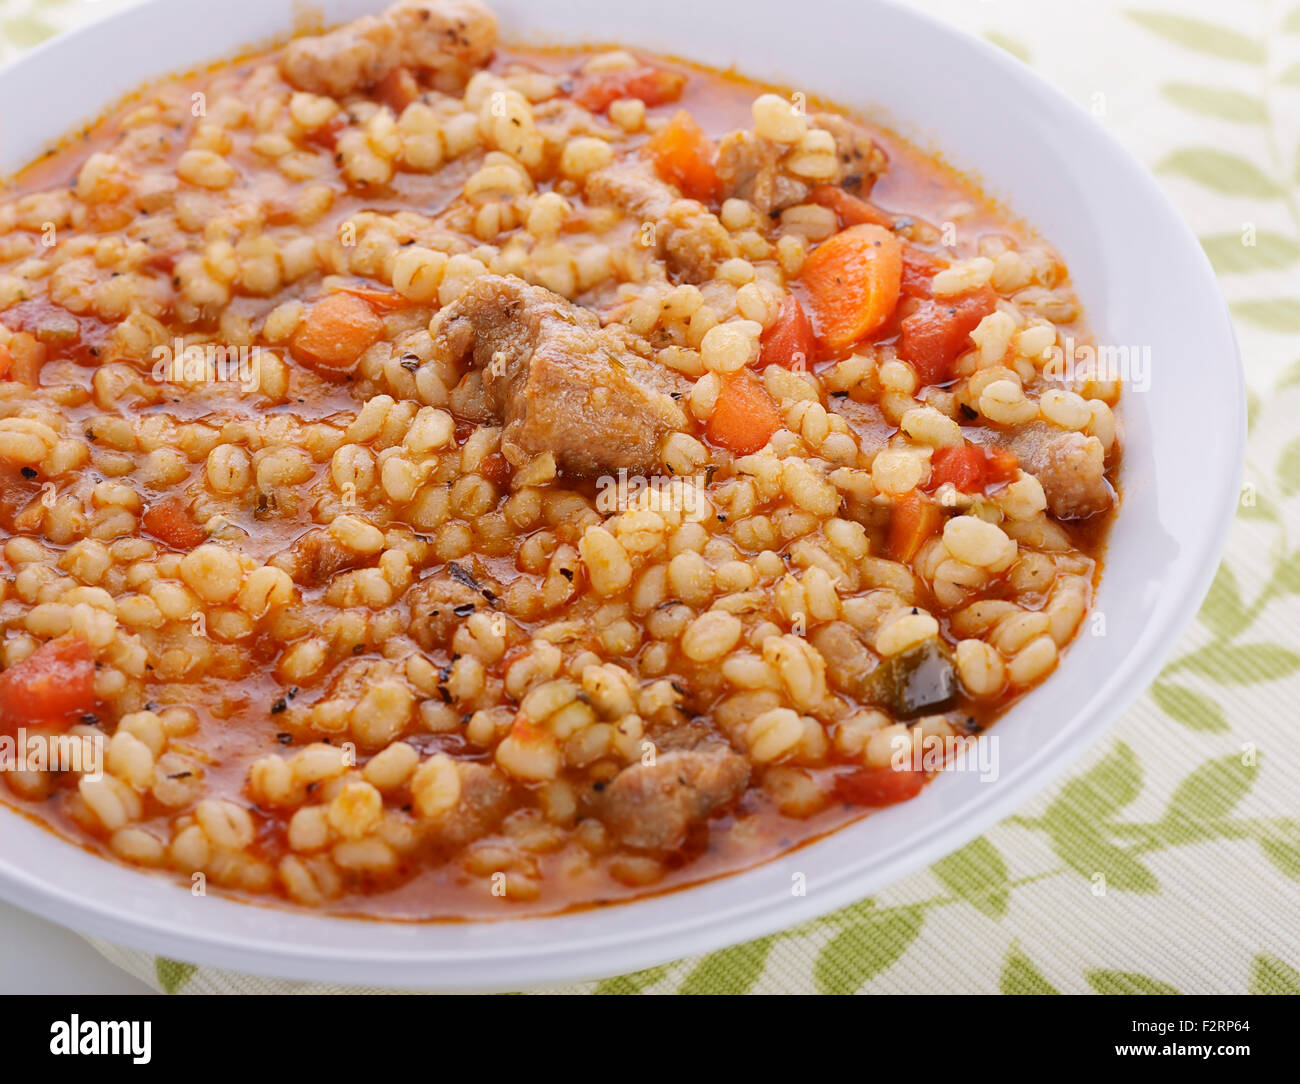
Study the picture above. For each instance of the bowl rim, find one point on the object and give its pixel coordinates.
(572, 955)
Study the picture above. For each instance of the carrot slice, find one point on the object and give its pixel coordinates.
(169, 522)
(790, 341)
(744, 416)
(335, 333)
(853, 280)
(684, 155)
(849, 209)
(915, 519)
(654, 86)
(55, 684)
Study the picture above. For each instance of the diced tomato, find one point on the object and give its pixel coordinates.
(1001, 466)
(915, 518)
(52, 686)
(16, 495)
(744, 417)
(379, 300)
(496, 469)
(654, 86)
(790, 341)
(961, 465)
(398, 89)
(6, 361)
(931, 338)
(852, 280)
(876, 787)
(26, 357)
(169, 522)
(327, 135)
(971, 468)
(684, 155)
(334, 334)
(849, 209)
(918, 269)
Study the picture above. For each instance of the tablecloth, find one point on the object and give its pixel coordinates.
(1191, 805)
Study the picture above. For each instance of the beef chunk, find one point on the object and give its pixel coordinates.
(631, 188)
(558, 381)
(485, 797)
(1070, 466)
(446, 38)
(653, 806)
(749, 169)
(315, 557)
(862, 160)
(440, 603)
(688, 237)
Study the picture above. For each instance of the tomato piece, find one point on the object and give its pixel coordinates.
(654, 86)
(27, 355)
(398, 89)
(931, 338)
(327, 135)
(915, 518)
(918, 269)
(852, 281)
(6, 361)
(849, 209)
(53, 685)
(169, 522)
(745, 416)
(335, 333)
(686, 157)
(496, 469)
(790, 341)
(877, 787)
(379, 300)
(962, 465)
(1001, 466)
(971, 468)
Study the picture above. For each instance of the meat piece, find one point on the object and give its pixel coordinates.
(750, 169)
(687, 236)
(315, 557)
(1070, 466)
(632, 189)
(440, 603)
(354, 57)
(557, 380)
(862, 160)
(485, 797)
(653, 806)
(447, 38)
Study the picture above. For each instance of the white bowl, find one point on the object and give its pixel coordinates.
(1143, 281)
